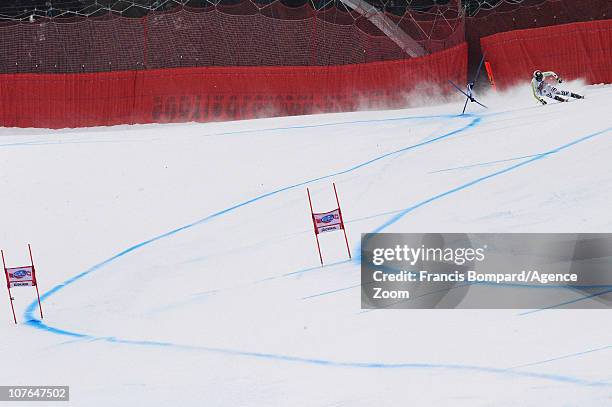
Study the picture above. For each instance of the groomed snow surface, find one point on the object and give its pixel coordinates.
(178, 267)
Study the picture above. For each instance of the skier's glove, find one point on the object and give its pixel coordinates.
(559, 80)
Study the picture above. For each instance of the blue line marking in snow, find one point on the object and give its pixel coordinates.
(571, 355)
(312, 126)
(486, 177)
(29, 312)
(269, 129)
(463, 167)
(40, 325)
(492, 285)
(331, 292)
(359, 365)
(317, 268)
(536, 157)
(586, 297)
(511, 285)
(32, 321)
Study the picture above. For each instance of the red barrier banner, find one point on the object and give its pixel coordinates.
(204, 94)
(578, 50)
(511, 15)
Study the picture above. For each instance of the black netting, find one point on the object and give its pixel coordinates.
(245, 33)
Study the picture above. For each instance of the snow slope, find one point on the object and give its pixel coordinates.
(179, 268)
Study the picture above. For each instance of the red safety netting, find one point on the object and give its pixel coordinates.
(578, 50)
(220, 93)
(245, 34)
(524, 14)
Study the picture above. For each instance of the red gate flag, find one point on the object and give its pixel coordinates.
(328, 222)
(21, 277)
(490, 74)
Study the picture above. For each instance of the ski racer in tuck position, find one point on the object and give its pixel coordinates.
(541, 88)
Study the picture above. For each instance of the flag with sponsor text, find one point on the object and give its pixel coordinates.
(328, 221)
(21, 276)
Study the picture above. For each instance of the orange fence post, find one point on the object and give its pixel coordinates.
(490, 74)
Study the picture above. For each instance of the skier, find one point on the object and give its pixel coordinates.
(470, 91)
(540, 88)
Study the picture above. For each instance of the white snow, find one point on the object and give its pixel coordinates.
(219, 300)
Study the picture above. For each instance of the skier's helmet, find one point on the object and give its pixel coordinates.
(538, 76)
